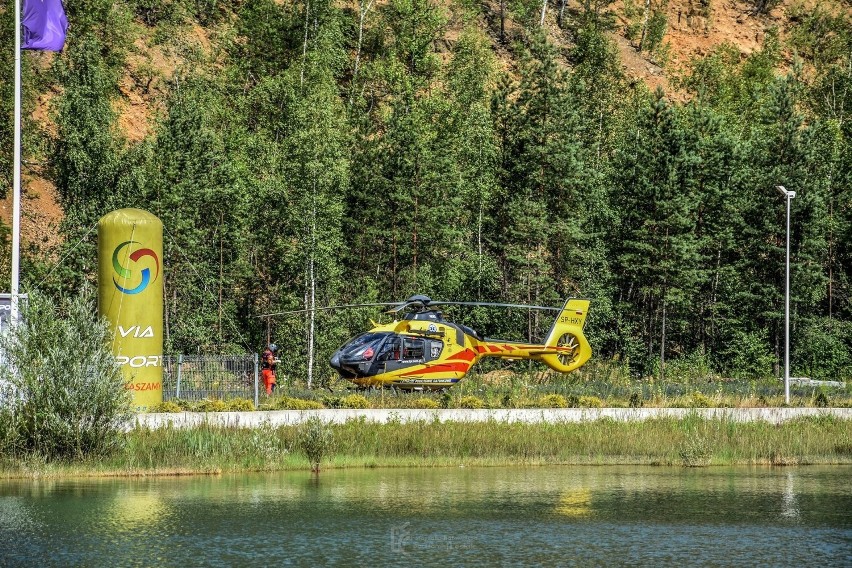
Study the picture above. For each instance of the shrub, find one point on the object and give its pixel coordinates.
(315, 438)
(553, 401)
(749, 355)
(446, 399)
(590, 402)
(424, 402)
(695, 450)
(471, 402)
(354, 401)
(822, 348)
(525, 402)
(71, 399)
(689, 369)
(208, 405)
(636, 400)
(167, 406)
(332, 401)
(288, 403)
(656, 30)
(699, 400)
(240, 405)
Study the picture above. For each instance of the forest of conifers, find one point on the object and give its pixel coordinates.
(316, 153)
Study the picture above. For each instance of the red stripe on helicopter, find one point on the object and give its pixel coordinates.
(481, 348)
(466, 355)
(494, 348)
(508, 347)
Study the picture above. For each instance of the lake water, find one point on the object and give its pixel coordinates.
(550, 516)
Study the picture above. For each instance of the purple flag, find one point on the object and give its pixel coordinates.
(45, 25)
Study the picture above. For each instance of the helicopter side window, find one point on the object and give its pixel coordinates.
(412, 349)
(435, 349)
(391, 350)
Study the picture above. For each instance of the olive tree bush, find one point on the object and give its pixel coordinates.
(65, 397)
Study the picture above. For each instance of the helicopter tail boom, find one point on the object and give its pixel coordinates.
(566, 337)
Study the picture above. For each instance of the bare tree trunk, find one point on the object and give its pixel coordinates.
(776, 367)
(502, 21)
(166, 313)
(313, 314)
(663, 323)
(221, 270)
(414, 239)
(312, 289)
(650, 327)
(663, 343)
(562, 4)
(537, 313)
(830, 255)
(529, 301)
(645, 23)
(479, 247)
(362, 9)
(307, 303)
(305, 44)
(395, 275)
(712, 332)
(543, 10)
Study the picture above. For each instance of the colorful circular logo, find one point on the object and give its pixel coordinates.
(125, 273)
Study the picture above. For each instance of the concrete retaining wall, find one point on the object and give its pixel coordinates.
(283, 417)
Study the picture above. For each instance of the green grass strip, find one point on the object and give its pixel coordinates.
(691, 441)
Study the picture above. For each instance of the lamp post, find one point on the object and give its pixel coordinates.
(788, 195)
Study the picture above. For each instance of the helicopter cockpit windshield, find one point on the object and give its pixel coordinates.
(364, 347)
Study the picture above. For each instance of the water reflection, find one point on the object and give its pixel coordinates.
(575, 503)
(790, 507)
(546, 515)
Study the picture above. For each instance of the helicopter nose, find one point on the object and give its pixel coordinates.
(335, 361)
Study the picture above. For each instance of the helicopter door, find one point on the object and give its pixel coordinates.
(391, 350)
(390, 356)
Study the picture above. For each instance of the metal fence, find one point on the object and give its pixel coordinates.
(196, 377)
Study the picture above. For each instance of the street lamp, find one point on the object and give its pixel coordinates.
(789, 195)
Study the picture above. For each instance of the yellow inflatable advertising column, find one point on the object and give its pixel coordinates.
(130, 296)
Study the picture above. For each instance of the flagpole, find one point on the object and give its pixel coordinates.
(16, 199)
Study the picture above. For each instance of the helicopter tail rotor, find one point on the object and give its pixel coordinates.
(566, 336)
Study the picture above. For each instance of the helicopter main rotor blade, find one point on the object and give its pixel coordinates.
(330, 308)
(405, 305)
(496, 305)
(418, 302)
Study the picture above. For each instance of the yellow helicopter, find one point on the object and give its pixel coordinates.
(424, 351)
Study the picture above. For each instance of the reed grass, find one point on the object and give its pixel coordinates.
(690, 441)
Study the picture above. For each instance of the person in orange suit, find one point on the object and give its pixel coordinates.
(267, 364)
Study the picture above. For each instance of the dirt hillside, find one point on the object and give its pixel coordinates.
(692, 31)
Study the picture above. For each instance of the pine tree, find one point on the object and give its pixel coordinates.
(657, 257)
